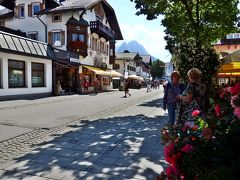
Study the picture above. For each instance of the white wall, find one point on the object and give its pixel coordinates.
(5, 90)
(27, 24)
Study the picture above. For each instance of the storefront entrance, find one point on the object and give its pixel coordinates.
(68, 77)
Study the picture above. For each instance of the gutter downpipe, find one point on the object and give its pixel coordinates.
(53, 69)
(45, 28)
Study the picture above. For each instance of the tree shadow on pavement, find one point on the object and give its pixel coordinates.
(121, 147)
(154, 103)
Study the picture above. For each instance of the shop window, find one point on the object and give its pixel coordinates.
(56, 18)
(37, 75)
(16, 74)
(106, 81)
(33, 35)
(116, 66)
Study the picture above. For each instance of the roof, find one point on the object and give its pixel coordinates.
(127, 56)
(76, 5)
(146, 65)
(21, 45)
(6, 13)
(10, 4)
(146, 59)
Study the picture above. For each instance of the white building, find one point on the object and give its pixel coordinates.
(24, 66)
(87, 27)
(144, 69)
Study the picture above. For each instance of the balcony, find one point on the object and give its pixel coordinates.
(230, 41)
(101, 30)
(78, 47)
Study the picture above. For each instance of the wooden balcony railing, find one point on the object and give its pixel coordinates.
(102, 30)
(78, 47)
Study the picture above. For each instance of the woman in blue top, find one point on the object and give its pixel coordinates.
(172, 90)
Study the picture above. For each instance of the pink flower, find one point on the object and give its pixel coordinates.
(187, 148)
(237, 112)
(195, 113)
(235, 89)
(217, 109)
(233, 99)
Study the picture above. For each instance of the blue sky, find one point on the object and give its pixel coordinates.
(148, 33)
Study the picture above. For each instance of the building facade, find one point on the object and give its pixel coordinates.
(25, 67)
(88, 28)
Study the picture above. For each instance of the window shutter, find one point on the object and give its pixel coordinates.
(16, 9)
(41, 6)
(62, 38)
(50, 40)
(29, 10)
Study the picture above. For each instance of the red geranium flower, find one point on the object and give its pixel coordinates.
(195, 113)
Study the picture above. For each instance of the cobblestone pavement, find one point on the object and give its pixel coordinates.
(120, 143)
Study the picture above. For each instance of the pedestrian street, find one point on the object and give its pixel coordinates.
(123, 145)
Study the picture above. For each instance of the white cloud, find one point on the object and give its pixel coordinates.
(151, 38)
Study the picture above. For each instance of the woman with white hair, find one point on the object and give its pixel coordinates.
(192, 98)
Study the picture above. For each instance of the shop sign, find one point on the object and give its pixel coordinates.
(75, 60)
(104, 65)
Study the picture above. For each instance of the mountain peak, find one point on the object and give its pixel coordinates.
(133, 46)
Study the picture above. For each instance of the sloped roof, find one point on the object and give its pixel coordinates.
(77, 5)
(21, 45)
(126, 56)
(146, 65)
(146, 59)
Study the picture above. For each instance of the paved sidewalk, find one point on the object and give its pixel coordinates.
(122, 145)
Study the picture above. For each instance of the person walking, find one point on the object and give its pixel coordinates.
(126, 88)
(96, 85)
(148, 86)
(172, 90)
(192, 98)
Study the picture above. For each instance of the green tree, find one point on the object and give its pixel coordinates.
(157, 69)
(195, 24)
(200, 20)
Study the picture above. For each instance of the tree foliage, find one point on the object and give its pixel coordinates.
(201, 20)
(157, 69)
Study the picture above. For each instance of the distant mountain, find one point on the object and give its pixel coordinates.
(134, 46)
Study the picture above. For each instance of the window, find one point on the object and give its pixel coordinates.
(16, 74)
(21, 11)
(37, 75)
(56, 18)
(236, 35)
(90, 42)
(78, 37)
(230, 36)
(33, 35)
(2, 23)
(56, 38)
(35, 8)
